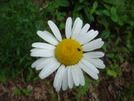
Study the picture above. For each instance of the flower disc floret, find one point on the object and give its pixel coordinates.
(68, 52)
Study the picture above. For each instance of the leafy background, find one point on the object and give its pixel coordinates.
(19, 22)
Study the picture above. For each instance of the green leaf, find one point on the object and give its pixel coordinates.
(17, 91)
(117, 41)
(113, 11)
(95, 5)
(104, 47)
(64, 3)
(53, 96)
(106, 6)
(120, 57)
(106, 12)
(114, 18)
(105, 34)
(120, 22)
(124, 49)
(80, 1)
(92, 11)
(26, 91)
(2, 77)
(112, 73)
(87, 13)
(62, 26)
(110, 55)
(78, 7)
(124, 17)
(104, 22)
(36, 78)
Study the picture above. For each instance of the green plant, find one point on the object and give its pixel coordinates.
(17, 91)
(82, 90)
(26, 91)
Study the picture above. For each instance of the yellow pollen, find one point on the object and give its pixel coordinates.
(68, 52)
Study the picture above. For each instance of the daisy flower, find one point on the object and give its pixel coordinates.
(69, 56)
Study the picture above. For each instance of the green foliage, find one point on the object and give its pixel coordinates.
(112, 73)
(128, 94)
(19, 23)
(82, 90)
(17, 91)
(113, 70)
(53, 95)
(26, 91)
(66, 3)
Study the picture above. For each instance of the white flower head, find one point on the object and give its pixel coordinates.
(70, 56)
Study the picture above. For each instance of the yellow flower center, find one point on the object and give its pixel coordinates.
(68, 52)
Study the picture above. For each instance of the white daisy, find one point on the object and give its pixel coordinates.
(71, 56)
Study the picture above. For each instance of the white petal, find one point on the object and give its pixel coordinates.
(65, 79)
(49, 68)
(75, 22)
(58, 88)
(81, 76)
(94, 54)
(76, 30)
(44, 63)
(84, 35)
(70, 77)
(96, 62)
(88, 37)
(47, 37)
(36, 52)
(55, 30)
(68, 29)
(88, 70)
(43, 45)
(37, 62)
(75, 75)
(59, 76)
(95, 44)
(83, 31)
(89, 65)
